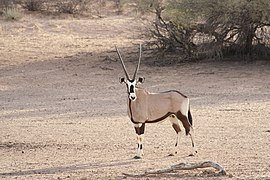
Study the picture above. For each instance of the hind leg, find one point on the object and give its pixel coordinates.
(191, 133)
(176, 127)
(189, 129)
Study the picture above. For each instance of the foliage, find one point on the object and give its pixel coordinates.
(12, 14)
(236, 24)
(5, 4)
(171, 37)
(71, 6)
(206, 28)
(145, 6)
(33, 5)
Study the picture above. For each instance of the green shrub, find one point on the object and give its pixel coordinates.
(5, 4)
(12, 14)
(207, 28)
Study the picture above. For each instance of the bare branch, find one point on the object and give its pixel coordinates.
(181, 166)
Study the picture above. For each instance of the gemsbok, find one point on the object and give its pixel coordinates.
(145, 107)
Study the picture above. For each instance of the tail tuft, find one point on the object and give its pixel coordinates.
(190, 117)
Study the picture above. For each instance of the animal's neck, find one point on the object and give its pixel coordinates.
(140, 92)
(139, 105)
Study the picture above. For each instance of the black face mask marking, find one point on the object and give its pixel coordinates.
(131, 89)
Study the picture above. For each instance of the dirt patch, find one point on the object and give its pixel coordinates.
(63, 112)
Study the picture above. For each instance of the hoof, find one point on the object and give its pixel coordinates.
(137, 157)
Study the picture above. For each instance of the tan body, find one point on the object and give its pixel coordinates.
(155, 107)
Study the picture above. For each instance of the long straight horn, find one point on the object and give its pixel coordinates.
(122, 62)
(138, 65)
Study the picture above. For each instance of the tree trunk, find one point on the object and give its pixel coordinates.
(249, 38)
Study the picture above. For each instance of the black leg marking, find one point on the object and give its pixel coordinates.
(140, 130)
(190, 117)
(176, 127)
(192, 144)
(137, 130)
(184, 121)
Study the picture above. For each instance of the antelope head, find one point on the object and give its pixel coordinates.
(130, 82)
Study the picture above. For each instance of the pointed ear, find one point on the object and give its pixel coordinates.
(122, 79)
(141, 79)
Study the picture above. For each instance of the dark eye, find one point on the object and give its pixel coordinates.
(121, 79)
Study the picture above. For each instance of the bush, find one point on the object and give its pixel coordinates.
(209, 28)
(235, 24)
(12, 14)
(71, 6)
(33, 5)
(171, 37)
(5, 4)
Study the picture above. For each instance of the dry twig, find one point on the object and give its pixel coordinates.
(182, 166)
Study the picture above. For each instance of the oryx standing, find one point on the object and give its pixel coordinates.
(145, 107)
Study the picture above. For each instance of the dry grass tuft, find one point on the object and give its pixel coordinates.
(12, 14)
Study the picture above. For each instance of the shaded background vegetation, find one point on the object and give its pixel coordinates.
(222, 28)
(186, 29)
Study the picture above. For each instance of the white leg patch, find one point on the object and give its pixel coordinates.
(140, 146)
(194, 149)
(175, 122)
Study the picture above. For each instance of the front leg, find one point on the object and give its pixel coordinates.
(139, 128)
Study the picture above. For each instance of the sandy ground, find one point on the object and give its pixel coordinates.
(63, 112)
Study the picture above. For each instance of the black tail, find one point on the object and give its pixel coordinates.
(189, 117)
